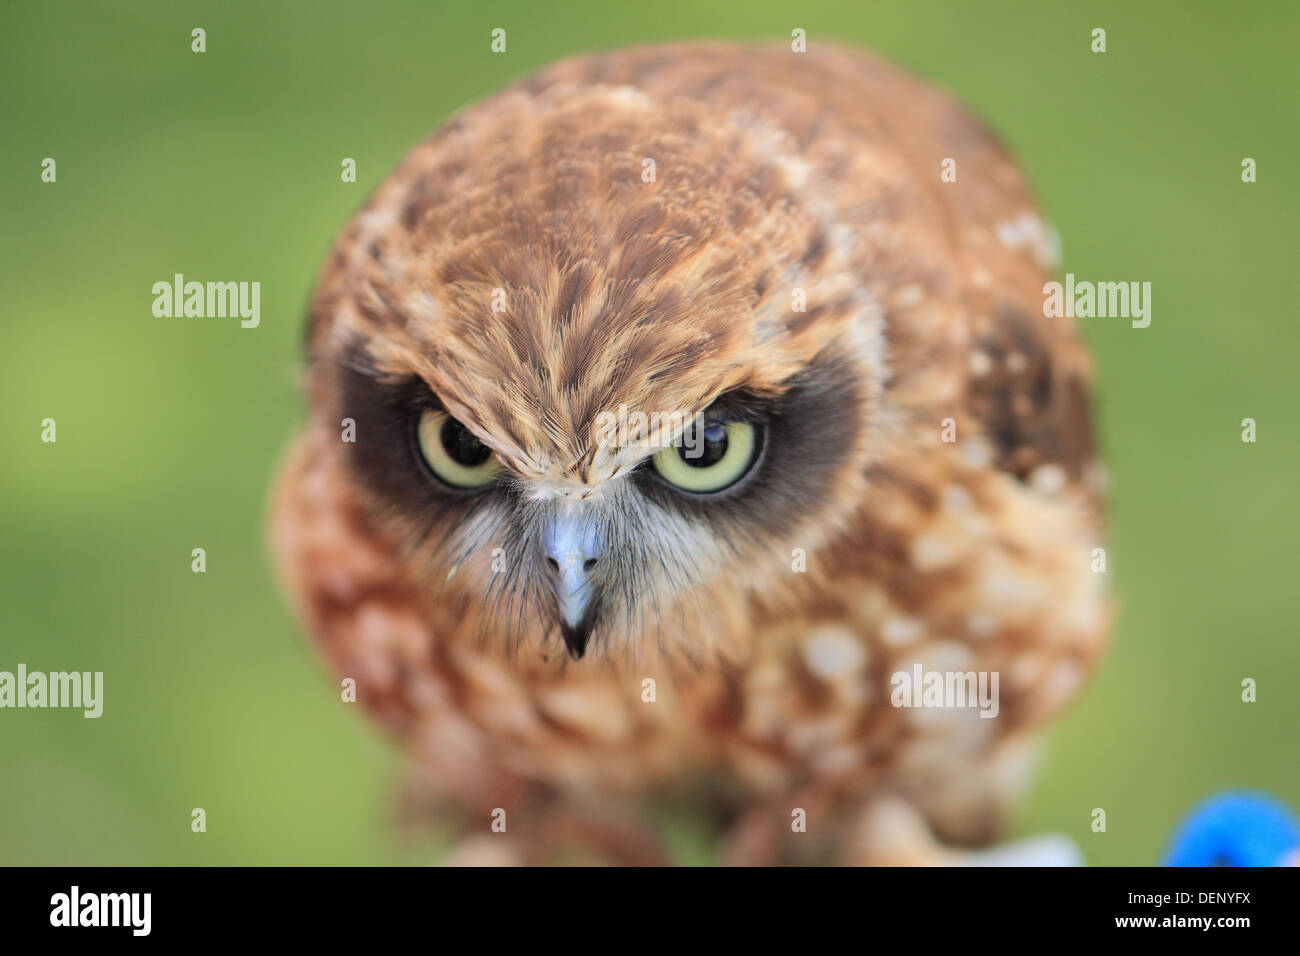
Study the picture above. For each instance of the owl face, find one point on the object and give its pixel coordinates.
(599, 404)
(705, 506)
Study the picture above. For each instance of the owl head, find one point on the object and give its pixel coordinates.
(608, 362)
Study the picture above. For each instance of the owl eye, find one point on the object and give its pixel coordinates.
(710, 459)
(453, 453)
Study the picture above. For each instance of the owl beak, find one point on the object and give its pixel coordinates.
(575, 638)
(572, 554)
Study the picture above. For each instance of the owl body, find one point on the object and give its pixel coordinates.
(764, 244)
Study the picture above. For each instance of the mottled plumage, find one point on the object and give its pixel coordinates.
(770, 615)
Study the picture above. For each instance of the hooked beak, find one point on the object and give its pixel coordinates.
(573, 552)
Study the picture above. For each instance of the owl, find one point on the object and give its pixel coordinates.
(677, 416)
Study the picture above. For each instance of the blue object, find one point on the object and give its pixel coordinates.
(1236, 829)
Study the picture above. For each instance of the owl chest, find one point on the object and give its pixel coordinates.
(822, 702)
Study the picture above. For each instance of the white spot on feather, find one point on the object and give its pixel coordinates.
(1048, 479)
(833, 653)
(629, 97)
(898, 631)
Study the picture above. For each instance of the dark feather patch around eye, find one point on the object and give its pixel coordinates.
(808, 431)
(742, 405)
(385, 458)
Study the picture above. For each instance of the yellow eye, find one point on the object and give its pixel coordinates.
(709, 459)
(453, 452)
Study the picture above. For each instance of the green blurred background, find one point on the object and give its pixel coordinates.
(226, 165)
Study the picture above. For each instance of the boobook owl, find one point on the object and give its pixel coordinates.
(670, 410)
